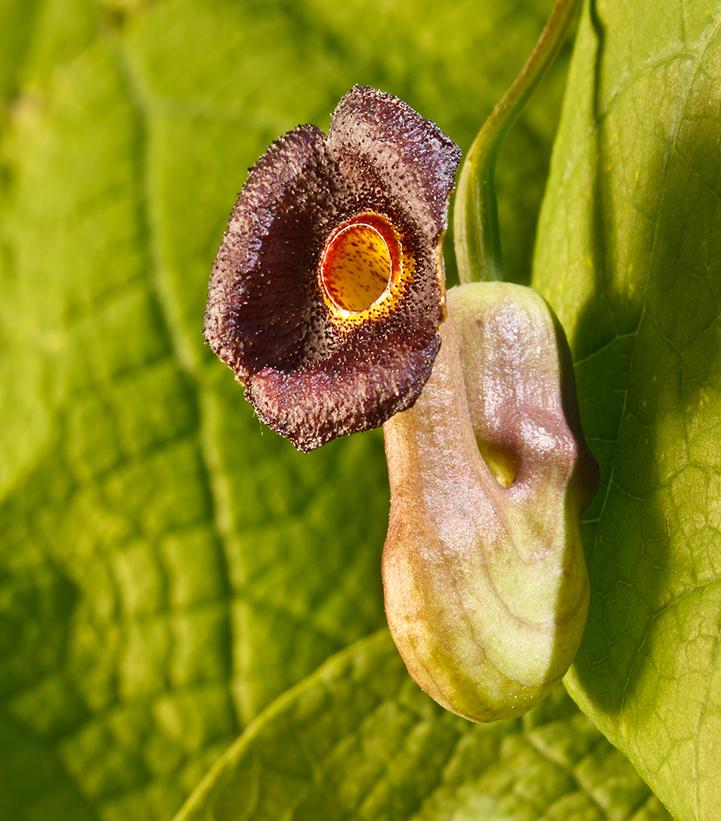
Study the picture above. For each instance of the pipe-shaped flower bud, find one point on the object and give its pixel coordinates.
(484, 575)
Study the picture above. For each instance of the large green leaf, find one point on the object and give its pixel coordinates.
(629, 253)
(359, 740)
(167, 567)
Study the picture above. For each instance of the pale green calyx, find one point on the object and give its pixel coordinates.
(485, 581)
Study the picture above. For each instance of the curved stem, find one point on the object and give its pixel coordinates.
(477, 236)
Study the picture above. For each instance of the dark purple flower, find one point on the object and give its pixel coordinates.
(328, 289)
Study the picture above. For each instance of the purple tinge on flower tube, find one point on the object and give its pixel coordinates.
(328, 289)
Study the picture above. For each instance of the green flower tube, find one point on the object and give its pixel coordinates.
(486, 589)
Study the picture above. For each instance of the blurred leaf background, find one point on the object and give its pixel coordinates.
(167, 566)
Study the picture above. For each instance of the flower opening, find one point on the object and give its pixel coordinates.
(362, 269)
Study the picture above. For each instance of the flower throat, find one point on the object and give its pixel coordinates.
(361, 263)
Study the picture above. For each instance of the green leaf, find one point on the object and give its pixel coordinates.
(167, 567)
(629, 256)
(358, 740)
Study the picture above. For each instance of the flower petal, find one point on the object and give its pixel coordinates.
(328, 289)
(351, 394)
(260, 296)
(378, 138)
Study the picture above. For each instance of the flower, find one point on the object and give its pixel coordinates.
(328, 289)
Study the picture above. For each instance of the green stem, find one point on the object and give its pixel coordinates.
(477, 236)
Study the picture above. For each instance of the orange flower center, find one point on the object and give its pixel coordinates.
(361, 265)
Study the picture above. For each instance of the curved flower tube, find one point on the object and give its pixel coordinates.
(328, 289)
(484, 576)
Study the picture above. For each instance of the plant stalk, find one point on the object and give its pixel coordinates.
(476, 229)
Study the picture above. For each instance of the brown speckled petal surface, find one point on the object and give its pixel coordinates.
(312, 207)
(320, 403)
(263, 288)
(412, 161)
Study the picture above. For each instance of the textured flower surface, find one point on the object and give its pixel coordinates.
(328, 289)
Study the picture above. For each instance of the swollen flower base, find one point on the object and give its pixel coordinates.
(485, 580)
